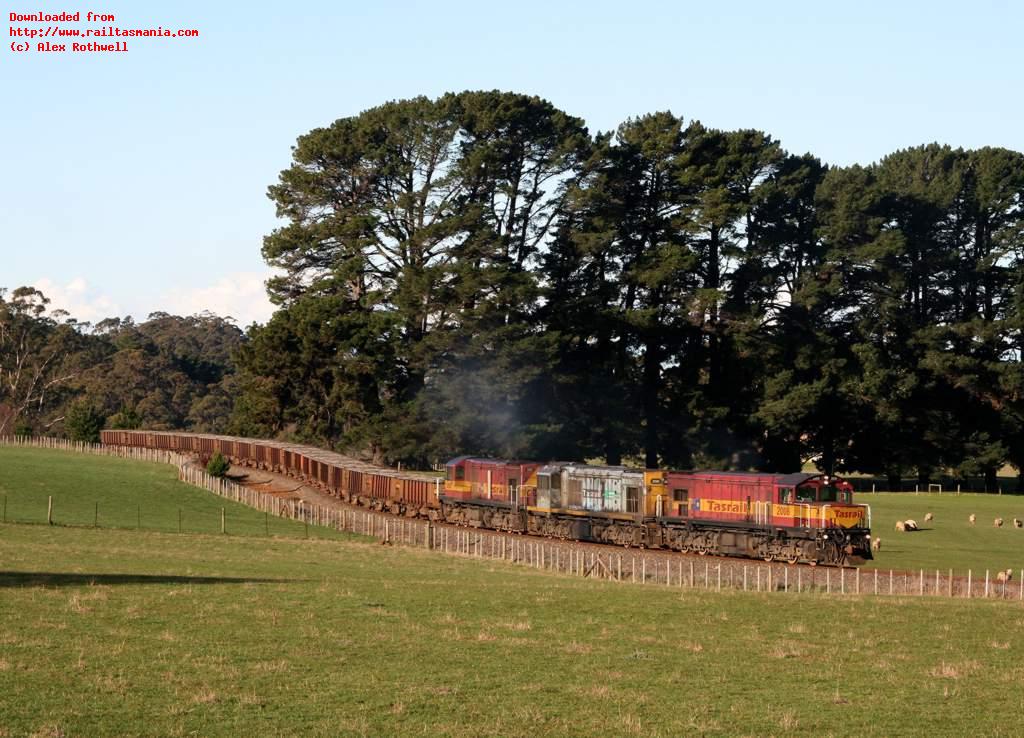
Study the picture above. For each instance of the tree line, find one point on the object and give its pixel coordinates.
(59, 376)
(479, 273)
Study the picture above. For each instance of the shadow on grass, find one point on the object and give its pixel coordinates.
(61, 579)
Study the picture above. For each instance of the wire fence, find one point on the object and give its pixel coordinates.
(568, 558)
(942, 485)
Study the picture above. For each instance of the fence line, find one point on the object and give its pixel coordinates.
(567, 558)
(96, 449)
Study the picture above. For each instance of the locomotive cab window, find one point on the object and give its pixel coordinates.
(786, 495)
(828, 493)
(805, 494)
(543, 482)
(459, 473)
(680, 495)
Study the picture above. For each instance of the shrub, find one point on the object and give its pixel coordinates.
(125, 419)
(84, 422)
(218, 466)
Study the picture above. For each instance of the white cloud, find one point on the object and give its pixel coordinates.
(83, 304)
(240, 295)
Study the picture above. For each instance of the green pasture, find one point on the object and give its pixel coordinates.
(949, 541)
(121, 632)
(114, 631)
(122, 493)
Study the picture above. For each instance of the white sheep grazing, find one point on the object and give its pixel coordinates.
(901, 526)
(928, 517)
(973, 518)
(876, 544)
(998, 522)
(1004, 576)
(910, 524)
(1018, 523)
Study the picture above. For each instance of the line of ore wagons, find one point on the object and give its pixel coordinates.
(341, 475)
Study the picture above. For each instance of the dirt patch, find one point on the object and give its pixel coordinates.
(282, 486)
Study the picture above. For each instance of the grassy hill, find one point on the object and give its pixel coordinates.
(128, 494)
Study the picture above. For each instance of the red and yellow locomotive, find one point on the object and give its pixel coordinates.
(807, 518)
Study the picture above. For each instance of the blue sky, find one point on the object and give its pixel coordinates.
(136, 182)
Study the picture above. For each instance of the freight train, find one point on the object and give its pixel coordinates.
(805, 518)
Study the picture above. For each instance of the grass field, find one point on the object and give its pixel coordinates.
(124, 632)
(136, 633)
(948, 542)
(129, 493)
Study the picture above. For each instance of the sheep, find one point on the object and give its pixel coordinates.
(876, 544)
(901, 526)
(928, 517)
(1004, 576)
(1018, 523)
(998, 522)
(973, 518)
(910, 524)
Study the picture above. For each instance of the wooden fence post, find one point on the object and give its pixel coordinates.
(49, 510)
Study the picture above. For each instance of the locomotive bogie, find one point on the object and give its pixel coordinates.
(493, 516)
(559, 526)
(619, 533)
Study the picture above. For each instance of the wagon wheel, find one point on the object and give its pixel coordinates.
(793, 560)
(769, 557)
